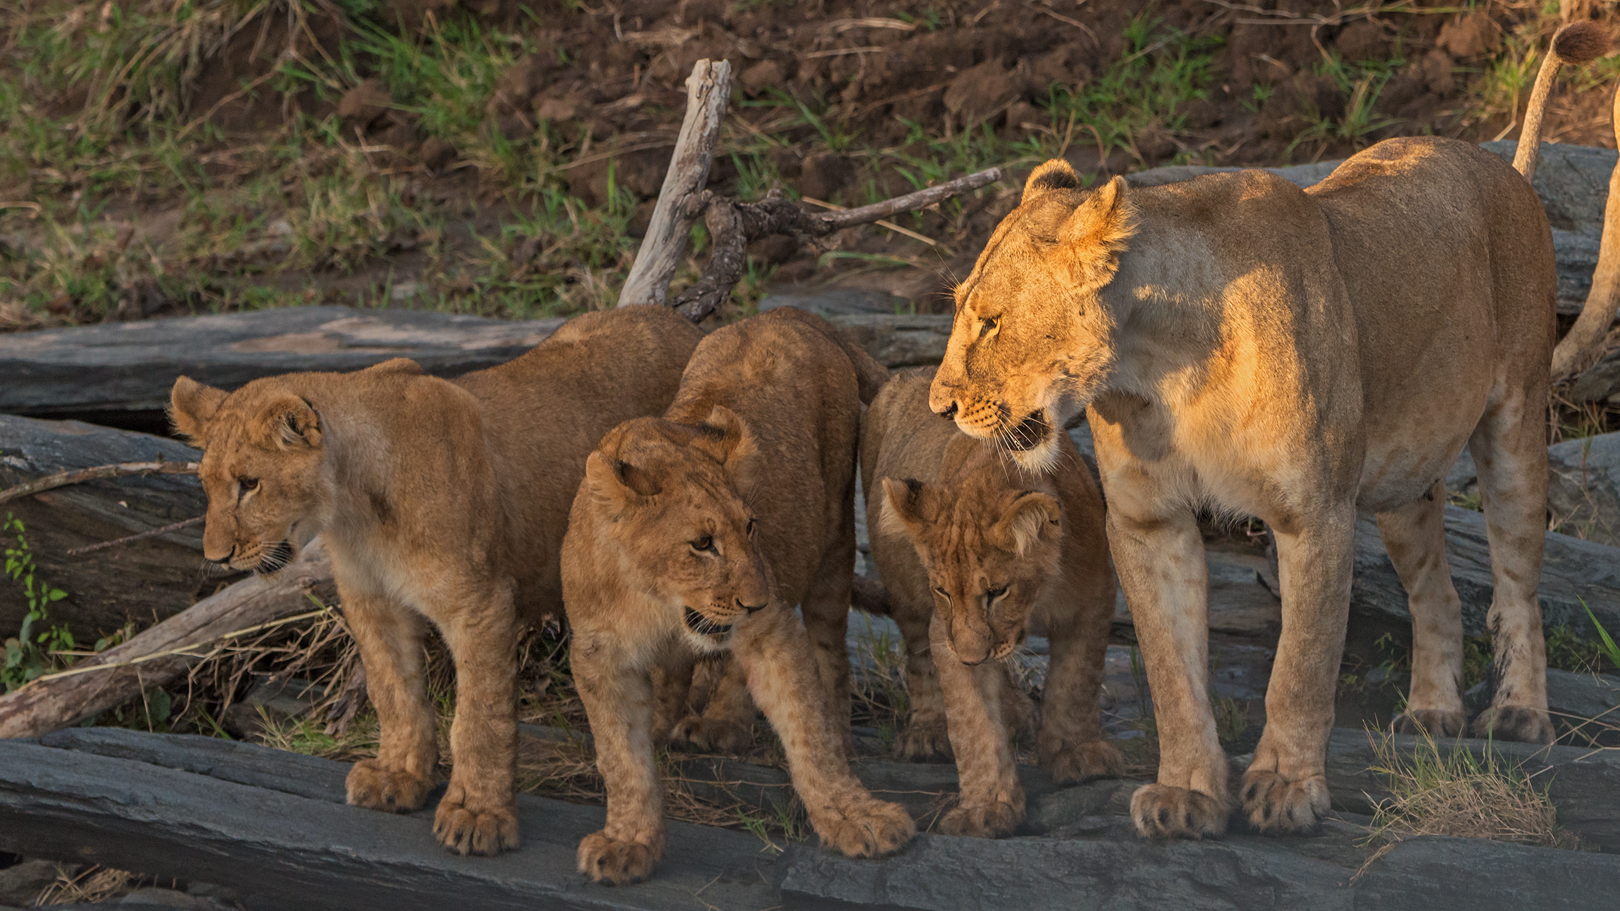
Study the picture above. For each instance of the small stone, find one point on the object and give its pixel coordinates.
(1469, 37)
(824, 174)
(21, 884)
(364, 103)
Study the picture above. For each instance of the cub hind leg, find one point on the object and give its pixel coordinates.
(1071, 744)
(726, 723)
(1415, 537)
(1510, 449)
(924, 738)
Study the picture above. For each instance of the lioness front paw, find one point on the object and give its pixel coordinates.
(1514, 722)
(1162, 811)
(1084, 761)
(923, 740)
(697, 734)
(1433, 722)
(485, 831)
(869, 829)
(1277, 806)
(986, 820)
(377, 787)
(617, 863)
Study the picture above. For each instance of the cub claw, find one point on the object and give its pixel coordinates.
(923, 740)
(1083, 761)
(1514, 722)
(467, 831)
(697, 734)
(374, 786)
(616, 863)
(1162, 811)
(1277, 806)
(1432, 722)
(870, 829)
(990, 820)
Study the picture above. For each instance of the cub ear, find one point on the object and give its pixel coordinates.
(1055, 174)
(289, 422)
(401, 365)
(1032, 517)
(191, 406)
(736, 440)
(613, 483)
(1098, 230)
(899, 511)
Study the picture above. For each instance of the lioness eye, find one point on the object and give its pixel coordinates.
(997, 592)
(753, 526)
(704, 543)
(941, 592)
(988, 325)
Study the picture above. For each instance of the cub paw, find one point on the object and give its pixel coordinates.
(1432, 722)
(1514, 722)
(1162, 811)
(870, 829)
(485, 832)
(989, 820)
(616, 863)
(697, 734)
(1083, 761)
(376, 787)
(923, 740)
(1277, 806)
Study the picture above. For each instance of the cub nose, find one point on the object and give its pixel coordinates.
(225, 559)
(751, 608)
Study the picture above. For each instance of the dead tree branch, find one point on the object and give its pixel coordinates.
(149, 533)
(99, 472)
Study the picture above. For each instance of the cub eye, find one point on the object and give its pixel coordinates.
(753, 526)
(941, 592)
(248, 485)
(996, 592)
(704, 544)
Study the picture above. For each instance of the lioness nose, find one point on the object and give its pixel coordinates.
(949, 413)
(751, 608)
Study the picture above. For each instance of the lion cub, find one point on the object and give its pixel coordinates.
(440, 501)
(974, 553)
(696, 534)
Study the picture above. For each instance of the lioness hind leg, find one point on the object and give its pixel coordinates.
(478, 814)
(1285, 787)
(726, 724)
(1510, 449)
(1415, 538)
(775, 653)
(924, 738)
(390, 639)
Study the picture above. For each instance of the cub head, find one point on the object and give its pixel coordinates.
(1033, 341)
(261, 468)
(669, 495)
(989, 549)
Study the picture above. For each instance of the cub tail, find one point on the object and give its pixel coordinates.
(1578, 43)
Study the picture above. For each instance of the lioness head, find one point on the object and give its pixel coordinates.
(989, 549)
(261, 468)
(1032, 342)
(685, 536)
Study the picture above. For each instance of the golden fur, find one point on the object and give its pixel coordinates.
(696, 534)
(1297, 355)
(441, 501)
(974, 553)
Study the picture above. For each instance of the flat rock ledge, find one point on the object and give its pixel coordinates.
(273, 828)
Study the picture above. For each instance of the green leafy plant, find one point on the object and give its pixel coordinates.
(28, 655)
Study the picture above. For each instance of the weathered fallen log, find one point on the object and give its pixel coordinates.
(154, 577)
(164, 652)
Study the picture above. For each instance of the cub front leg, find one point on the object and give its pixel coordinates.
(478, 814)
(926, 737)
(775, 654)
(390, 639)
(992, 800)
(1071, 744)
(1285, 788)
(1161, 567)
(618, 698)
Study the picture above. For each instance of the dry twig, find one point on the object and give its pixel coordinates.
(99, 472)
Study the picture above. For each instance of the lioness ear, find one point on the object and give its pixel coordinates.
(1032, 517)
(1055, 174)
(899, 513)
(402, 365)
(1099, 230)
(192, 406)
(736, 440)
(289, 422)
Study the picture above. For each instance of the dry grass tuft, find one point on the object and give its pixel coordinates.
(1457, 793)
(93, 883)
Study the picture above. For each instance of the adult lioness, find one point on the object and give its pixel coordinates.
(1295, 355)
(973, 552)
(443, 500)
(697, 533)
